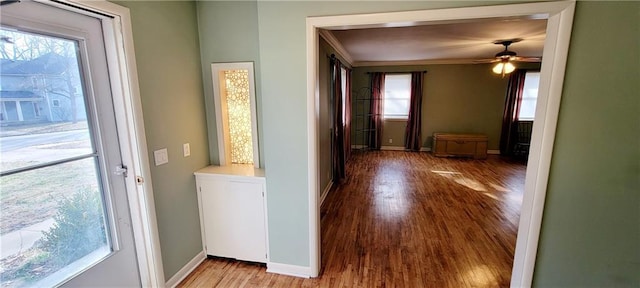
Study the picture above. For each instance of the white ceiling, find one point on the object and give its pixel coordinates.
(440, 43)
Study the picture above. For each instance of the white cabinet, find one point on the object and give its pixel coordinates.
(231, 200)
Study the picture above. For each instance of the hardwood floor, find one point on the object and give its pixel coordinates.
(403, 219)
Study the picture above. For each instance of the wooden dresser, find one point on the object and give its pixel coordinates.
(461, 145)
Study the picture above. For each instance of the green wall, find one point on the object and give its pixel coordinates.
(282, 45)
(281, 27)
(167, 55)
(228, 33)
(591, 228)
(325, 121)
(456, 98)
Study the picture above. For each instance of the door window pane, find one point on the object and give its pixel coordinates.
(52, 217)
(45, 70)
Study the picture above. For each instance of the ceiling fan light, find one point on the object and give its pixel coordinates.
(508, 68)
(503, 68)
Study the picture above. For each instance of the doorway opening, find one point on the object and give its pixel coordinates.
(559, 16)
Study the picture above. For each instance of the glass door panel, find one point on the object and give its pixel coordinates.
(53, 217)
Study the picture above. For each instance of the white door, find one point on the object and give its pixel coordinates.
(64, 216)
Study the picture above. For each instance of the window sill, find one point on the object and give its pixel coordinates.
(395, 119)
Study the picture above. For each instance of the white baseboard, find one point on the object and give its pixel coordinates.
(392, 148)
(325, 192)
(186, 270)
(493, 152)
(290, 270)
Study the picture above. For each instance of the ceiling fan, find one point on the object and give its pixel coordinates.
(505, 57)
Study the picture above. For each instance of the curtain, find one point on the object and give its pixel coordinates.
(375, 110)
(412, 139)
(347, 117)
(338, 160)
(513, 101)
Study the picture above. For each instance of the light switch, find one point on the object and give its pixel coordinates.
(161, 156)
(186, 149)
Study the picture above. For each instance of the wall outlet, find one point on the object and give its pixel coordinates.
(186, 150)
(161, 156)
(390, 140)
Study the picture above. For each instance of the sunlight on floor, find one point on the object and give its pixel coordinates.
(479, 276)
(492, 190)
(499, 187)
(491, 196)
(462, 180)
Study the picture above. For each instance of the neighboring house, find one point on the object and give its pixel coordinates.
(45, 89)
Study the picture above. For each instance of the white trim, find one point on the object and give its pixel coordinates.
(436, 16)
(291, 270)
(544, 130)
(186, 270)
(313, 153)
(425, 149)
(392, 148)
(333, 42)
(135, 156)
(325, 192)
(560, 18)
(493, 152)
(222, 123)
(416, 62)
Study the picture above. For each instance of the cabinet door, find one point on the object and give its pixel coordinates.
(234, 219)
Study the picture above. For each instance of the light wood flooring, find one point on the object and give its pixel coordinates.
(405, 219)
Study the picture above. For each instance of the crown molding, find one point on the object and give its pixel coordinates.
(333, 42)
(418, 62)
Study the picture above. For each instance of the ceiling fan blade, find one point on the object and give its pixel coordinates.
(528, 59)
(482, 61)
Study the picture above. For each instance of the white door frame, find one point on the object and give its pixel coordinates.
(559, 22)
(128, 109)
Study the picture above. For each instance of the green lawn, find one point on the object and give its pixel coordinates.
(31, 197)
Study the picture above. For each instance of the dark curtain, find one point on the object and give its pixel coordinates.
(347, 117)
(513, 101)
(412, 139)
(375, 110)
(338, 125)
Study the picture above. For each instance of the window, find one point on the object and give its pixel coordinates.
(343, 74)
(66, 174)
(529, 96)
(397, 96)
